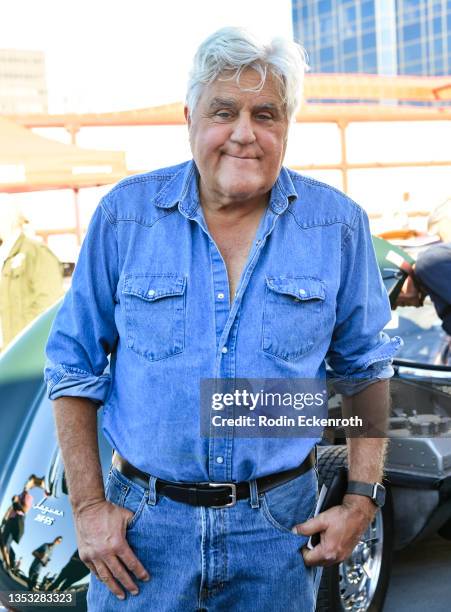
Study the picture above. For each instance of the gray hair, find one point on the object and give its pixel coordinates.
(235, 49)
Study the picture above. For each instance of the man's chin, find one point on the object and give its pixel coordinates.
(242, 191)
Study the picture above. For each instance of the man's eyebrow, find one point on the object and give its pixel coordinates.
(268, 106)
(222, 103)
(218, 102)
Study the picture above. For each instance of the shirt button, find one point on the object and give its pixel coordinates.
(302, 292)
(219, 459)
(151, 292)
(220, 296)
(224, 349)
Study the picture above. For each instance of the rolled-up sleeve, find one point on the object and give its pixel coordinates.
(84, 331)
(360, 352)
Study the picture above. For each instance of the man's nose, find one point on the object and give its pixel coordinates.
(243, 131)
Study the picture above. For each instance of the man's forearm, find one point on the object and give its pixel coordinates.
(366, 455)
(76, 422)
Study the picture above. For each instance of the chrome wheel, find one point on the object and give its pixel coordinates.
(359, 573)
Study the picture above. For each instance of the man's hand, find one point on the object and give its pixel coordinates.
(100, 525)
(103, 547)
(341, 528)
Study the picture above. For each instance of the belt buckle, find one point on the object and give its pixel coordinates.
(232, 493)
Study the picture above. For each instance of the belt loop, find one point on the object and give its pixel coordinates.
(253, 489)
(152, 491)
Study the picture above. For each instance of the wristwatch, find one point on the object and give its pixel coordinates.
(374, 490)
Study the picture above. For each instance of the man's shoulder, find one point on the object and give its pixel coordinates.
(153, 179)
(134, 197)
(42, 548)
(319, 203)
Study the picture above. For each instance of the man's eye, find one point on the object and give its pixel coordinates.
(264, 116)
(223, 114)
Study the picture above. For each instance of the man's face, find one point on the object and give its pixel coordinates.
(238, 138)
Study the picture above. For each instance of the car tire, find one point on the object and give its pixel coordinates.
(332, 596)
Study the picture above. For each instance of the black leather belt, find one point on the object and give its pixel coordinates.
(212, 494)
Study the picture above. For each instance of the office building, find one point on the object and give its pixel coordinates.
(23, 86)
(386, 37)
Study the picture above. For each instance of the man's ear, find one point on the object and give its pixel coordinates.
(187, 115)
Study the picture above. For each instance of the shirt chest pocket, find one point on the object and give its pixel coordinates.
(155, 314)
(293, 315)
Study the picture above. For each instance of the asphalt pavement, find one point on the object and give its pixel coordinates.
(421, 578)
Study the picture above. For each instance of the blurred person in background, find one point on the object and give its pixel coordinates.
(433, 266)
(42, 556)
(431, 273)
(31, 277)
(439, 221)
(13, 522)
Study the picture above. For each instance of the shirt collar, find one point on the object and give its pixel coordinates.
(282, 193)
(182, 190)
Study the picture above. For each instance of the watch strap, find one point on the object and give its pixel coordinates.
(374, 490)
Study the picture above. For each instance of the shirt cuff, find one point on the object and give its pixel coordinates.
(72, 382)
(351, 386)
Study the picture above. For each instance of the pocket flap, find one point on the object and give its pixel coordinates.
(154, 286)
(300, 287)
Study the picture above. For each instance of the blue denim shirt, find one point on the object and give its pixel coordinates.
(151, 289)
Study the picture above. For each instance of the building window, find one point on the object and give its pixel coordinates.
(350, 64)
(368, 25)
(367, 9)
(326, 54)
(438, 47)
(437, 7)
(412, 52)
(328, 67)
(347, 20)
(324, 6)
(369, 40)
(325, 26)
(369, 62)
(413, 69)
(350, 14)
(437, 25)
(411, 32)
(437, 66)
(412, 11)
(350, 45)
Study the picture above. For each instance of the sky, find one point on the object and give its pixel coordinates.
(112, 55)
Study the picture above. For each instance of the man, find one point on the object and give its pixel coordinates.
(31, 277)
(42, 556)
(227, 266)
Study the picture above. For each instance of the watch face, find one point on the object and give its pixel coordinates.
(380, 495)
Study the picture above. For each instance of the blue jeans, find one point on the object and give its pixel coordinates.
(236, 559)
